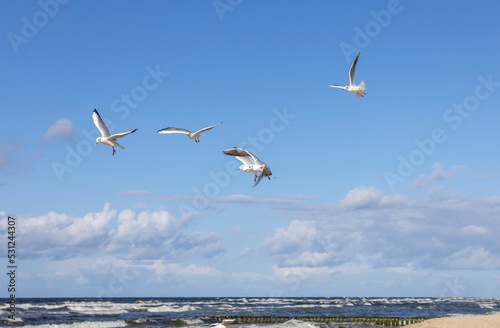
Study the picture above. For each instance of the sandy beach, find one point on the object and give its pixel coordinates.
(487, 321)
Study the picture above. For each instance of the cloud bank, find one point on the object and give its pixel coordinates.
(367, 242)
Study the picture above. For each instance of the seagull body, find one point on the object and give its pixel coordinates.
(358, 90)
(250, 163)
(225, 323)
(107, 138)
(192, 135)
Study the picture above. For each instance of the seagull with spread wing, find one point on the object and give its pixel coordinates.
(250, 163)
(192, 135)
(107, 138)
(358, 90)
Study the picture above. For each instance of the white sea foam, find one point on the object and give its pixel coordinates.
(148, 302)
(170, 308)
(299, 323)
(487, 305)
(19, 305)
(87, 324)
(306, 306)
(194, 322)
(97, 308)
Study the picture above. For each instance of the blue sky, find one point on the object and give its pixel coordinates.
(394, 194)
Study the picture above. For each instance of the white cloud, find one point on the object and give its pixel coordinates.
(390, 232)
(472, 229)
(287, 203)
(246, 278)
(162, 268)
(158, 234)
(63, 128)
(140, 205)
(406, 269)
(363, 197)
(301, 272)
(147, 234)
(473, 257)
(145, 226)
(438, 175)
(286, 240)
(60, 234)
(196, 244)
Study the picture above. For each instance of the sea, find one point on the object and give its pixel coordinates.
(201, 312)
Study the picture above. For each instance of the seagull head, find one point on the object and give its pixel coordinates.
(97, 140)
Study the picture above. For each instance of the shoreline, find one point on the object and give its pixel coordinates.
(485, 321)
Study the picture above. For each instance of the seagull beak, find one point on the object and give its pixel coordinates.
(97, 142)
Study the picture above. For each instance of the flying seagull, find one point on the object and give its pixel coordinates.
(224, 324)
(192, 135)
(107, 138)
(250, 163)
(358, 90)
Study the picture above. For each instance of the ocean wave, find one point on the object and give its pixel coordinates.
(170, 308)
(148, 302)
(140, 321)
(97, 308)
(299, 323)
(86, 324)
(489, 305)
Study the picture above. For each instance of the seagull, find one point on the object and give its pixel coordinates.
(250, 163)
(225, 323)
(358, 90)
(192, 135)
(107, 138)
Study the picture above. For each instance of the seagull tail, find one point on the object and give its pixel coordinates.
(362, 86)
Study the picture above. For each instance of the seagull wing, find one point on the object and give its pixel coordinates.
(240, 154)
(245, 160)
(236, 152)
(259, 178)
(207, 128)
(174, 130)
(351, 71)
(99, 123)
(255, 159)
(121, 135)
(227, 321)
